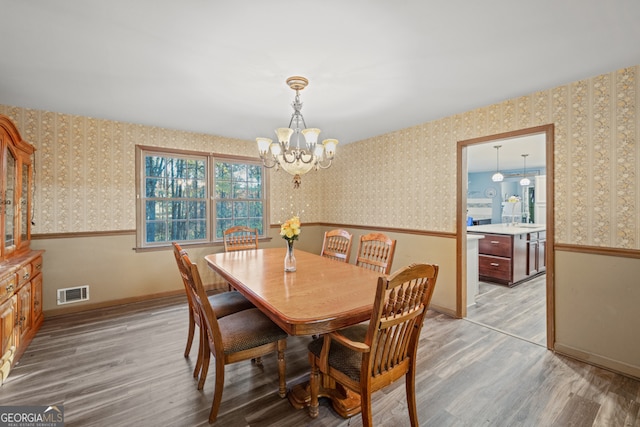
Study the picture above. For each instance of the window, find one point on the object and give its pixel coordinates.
(175, 192)
(239, 196)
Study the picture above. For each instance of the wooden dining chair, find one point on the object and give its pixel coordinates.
(375, 252)
(240, 238)
(239, 336)
(337, 245)
(224, 303)
(366, 360)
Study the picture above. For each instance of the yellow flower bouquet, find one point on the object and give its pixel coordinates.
(290, 229)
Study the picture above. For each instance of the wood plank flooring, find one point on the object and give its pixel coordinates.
(124, 367)
(520, 311)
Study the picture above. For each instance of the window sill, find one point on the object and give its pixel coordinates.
(185, 245)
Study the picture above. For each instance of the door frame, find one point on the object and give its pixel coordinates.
(462, 182)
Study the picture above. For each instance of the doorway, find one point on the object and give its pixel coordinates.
(547, 280)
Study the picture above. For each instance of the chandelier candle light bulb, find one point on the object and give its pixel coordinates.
(295, 158)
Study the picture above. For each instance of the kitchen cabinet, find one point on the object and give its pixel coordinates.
(536, 242)
(510, 254)
(473, 269)
(20, 267)
(540, 206)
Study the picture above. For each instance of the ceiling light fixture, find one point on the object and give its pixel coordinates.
(293, 157)
(525, 181)
(497, 177)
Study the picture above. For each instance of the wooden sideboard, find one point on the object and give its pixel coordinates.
(20, 267)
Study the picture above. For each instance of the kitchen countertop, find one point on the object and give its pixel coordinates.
(507, 228)
(474, 237)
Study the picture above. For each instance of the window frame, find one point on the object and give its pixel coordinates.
(142, 151)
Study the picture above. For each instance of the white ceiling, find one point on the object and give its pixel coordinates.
(374, 66)
(482, 157)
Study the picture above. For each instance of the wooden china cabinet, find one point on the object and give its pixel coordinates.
(20, 267)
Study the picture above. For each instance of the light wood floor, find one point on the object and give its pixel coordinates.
(124, 367)
(520, 311)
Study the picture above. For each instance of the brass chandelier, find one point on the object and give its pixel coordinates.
(295, 156)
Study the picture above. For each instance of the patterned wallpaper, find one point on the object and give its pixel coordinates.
(404, 179)
(407, 178)
(85, 170)
(85, 167)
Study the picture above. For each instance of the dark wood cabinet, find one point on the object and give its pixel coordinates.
(510, 259)
(495, 268)
(536, 252)
(20, 267)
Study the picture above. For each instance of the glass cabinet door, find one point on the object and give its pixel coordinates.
(9, 203)
(24, 203)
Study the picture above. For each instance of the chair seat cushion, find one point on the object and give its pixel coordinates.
(342, 358)
(227, 303)
(248, 329)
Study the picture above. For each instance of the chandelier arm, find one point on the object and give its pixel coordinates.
(289, 153)
(297, 155)
(321, 166)
(265, 163)
(304, 153)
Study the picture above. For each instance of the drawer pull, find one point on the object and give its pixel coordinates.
(38, 266)
(26, 276)
(495, 242)
(10, 288)
(495, 264)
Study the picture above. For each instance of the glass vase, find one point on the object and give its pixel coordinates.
(289, 258)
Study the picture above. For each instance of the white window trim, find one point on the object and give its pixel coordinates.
(142, 151)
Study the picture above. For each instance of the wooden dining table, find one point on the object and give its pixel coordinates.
(322, 295)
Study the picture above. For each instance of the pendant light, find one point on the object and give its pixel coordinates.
(497, 177)
(525, 181)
